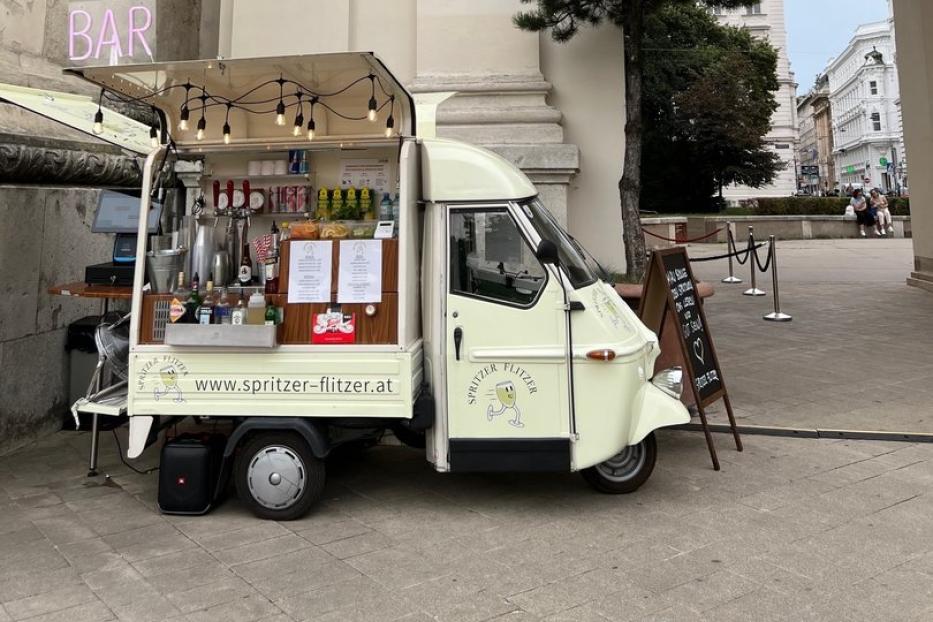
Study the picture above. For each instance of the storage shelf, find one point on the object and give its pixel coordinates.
(257, 179)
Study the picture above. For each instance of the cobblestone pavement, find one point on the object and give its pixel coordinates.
(791, 529)
(858, 354)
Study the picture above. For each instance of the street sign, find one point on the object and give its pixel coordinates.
(883, 161)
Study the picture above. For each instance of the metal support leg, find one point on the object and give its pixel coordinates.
(730, 242)
(753, 290)
(95, 432)
(776, 315)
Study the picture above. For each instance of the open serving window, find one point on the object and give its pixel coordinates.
(292, 205)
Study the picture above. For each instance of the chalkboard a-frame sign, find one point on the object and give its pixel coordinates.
(670, 287)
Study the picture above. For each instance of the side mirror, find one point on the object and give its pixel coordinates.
(547, 252)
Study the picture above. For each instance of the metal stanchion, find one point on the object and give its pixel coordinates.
(730, 244)
(753, 290)
(776, 315)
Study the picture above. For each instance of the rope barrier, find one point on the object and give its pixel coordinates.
(731, 243)
(677, 241)
(767, 260)
(747, 250)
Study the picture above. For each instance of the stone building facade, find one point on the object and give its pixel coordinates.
(815, 149)
(864, 91)
(766, 21)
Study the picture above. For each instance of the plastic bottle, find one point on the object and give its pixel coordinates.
(385, 207)
(395, 211)
(256, 309)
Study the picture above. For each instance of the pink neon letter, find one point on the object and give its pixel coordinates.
(139, 31)
(73, 34)
(114, 36)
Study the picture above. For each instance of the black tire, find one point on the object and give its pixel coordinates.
(257, 476)
(418, 440)
(626, 471)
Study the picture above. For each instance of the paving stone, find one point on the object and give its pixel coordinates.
(264, 549)
(63, 597)
(94, 611)
(245, 608)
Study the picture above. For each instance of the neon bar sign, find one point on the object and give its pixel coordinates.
(111, 32)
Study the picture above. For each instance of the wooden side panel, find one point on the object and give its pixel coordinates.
(382, 328)
(148, 316)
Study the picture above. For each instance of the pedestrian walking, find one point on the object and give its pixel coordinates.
(883, 222)
(862, 211)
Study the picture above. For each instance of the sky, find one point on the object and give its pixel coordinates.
(818, 30)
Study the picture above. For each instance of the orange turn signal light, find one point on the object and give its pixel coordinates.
(601, 355)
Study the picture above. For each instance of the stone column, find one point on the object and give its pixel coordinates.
(474, 49)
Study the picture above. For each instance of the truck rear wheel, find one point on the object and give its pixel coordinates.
(277, 476)
(627, 470)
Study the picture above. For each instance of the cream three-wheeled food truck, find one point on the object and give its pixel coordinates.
(482, 330)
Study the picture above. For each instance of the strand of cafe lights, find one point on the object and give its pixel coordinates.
(302, 94)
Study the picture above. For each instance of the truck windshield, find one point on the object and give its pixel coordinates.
(571, 259)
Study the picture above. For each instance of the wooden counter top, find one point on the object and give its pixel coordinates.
(83, 290)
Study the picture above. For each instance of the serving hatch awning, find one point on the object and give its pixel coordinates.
(244, 94)
(77, 111)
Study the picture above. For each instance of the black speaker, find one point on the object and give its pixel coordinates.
(188, 473)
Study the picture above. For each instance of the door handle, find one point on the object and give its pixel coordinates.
(458, 339)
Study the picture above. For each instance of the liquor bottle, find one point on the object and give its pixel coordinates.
(206, 310)
(193, 303)
(238, 315)
(176, 310)
(245, 273)
(271, 266)
(222, 308)
(271, 315)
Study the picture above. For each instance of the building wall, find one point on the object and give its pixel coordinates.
(766, 21)
(915, 66)
(859, 143)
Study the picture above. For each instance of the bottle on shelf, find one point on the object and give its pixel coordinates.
(177, 309)
(323, 205)
(271, 266)
(238, 314)
(256, 309)
(395, 211)
(271, 315)
(193, 303)
(222, 308)
(206, 310)
(385, 207)
(367, 208)
(245, 271)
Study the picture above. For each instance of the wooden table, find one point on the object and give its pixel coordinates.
(105, 293)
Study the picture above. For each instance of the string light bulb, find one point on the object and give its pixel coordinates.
(202, 122)
(153, 136)
(98, 127)
(311, 126)
(371, 115)
(390, 122)
(299, 118)
(185, 113)
(280, 107)
(227, 126)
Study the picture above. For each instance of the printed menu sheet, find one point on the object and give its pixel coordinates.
(309, 266)
(365, 173)
(360, 276)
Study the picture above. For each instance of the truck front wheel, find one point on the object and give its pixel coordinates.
(277, 476)
(627, 470)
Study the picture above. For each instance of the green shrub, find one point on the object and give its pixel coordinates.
(820, 206)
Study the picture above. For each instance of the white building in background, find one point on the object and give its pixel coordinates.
(865, 98)
(765, 20)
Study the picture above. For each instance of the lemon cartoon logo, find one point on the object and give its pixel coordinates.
(506, 395)
(168, 375)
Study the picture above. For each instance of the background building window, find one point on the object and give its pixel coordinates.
(876, 121)
(754, 9)
(873, 87)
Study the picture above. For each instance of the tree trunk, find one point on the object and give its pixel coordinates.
(630, 184)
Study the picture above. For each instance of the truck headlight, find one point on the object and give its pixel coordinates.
(670, 380)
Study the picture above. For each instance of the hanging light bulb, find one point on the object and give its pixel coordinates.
(299, 118)
(390, 124)
(280, 107)
(98, 121)
(153, 137)
(202, 124)
(185, 113)
(311, 126)
(226, 133)
(371, 115)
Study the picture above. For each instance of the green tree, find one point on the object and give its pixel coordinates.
(563, 19)
(708, 103)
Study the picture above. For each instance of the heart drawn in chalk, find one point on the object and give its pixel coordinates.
(698, 349)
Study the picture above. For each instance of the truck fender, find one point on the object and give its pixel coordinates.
(655, 409)
(310, 432)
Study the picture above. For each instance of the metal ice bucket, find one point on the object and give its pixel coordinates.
(164, 267)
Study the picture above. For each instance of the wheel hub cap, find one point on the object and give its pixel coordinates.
(624, 465)
(276, 477)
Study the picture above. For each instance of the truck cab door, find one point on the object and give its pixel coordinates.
(507, 383)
